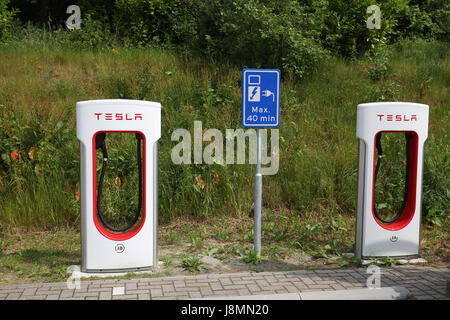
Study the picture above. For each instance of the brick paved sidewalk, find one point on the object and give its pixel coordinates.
(423, 282)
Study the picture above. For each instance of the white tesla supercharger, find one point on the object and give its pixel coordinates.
(398, 236)
(105, 247)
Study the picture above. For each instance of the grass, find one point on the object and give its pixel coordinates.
(42, 256)
(192, 264)
(253, 258)
(318, 127)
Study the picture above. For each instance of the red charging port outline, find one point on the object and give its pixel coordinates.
(105, 232)
(408, 212)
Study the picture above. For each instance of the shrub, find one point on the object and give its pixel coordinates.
(378, 63)
(346, 30)
(144, 21)
(255, 34)
(93, 34)
(6, 19)
(426, 19)
(291, 35)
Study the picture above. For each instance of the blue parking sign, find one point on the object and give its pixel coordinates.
(261, 97)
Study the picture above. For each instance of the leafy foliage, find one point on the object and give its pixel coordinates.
(93, 34)
(425, 19)
(6, 19)
(291, 35)
(192, 264)
(346, 31)
(256, 33)
(146, 21)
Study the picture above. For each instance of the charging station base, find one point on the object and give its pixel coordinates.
(75, 271)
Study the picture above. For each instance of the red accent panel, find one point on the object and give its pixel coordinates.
(408, 212)
(105, 232)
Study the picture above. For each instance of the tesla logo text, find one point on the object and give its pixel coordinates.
(118, 116)
(397, 117)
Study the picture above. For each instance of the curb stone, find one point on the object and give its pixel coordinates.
(387, 293)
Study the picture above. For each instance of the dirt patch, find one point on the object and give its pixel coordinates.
(218, 261)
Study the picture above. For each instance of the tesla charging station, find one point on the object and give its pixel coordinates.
(398, 236)
(134, 246)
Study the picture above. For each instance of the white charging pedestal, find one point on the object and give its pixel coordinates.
(401, 237)
(104, 250)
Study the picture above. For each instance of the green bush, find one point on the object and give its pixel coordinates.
(6, 19)
(101, 10)
(93, 34)
(291, 35)
(145, 21)
(279, 34)
(346, 31)
(424, 19)
(378, 63)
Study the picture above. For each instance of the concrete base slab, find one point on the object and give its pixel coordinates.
(387, 293)
(418, 260)
(366, 262)
(378, 261)
(75, 271)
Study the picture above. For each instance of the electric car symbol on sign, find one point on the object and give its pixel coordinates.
(107, 248)
(399, 235)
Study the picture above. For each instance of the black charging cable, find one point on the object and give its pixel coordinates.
(100, 144)
(408, 136)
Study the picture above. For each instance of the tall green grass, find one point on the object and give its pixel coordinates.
(42, 78)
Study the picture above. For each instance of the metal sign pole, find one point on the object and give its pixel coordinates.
(260, 108)
(258, 195)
